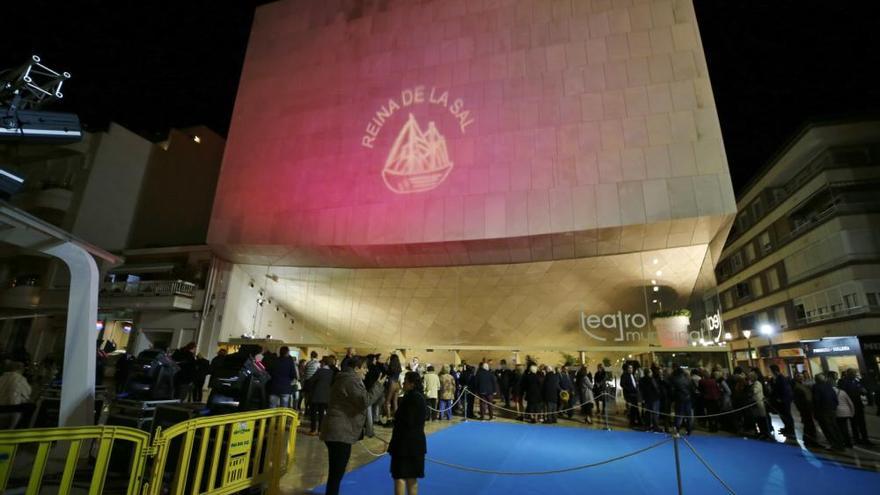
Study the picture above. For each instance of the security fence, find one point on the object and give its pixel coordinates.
(213, 455)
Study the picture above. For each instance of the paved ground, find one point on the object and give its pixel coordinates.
(310, 466)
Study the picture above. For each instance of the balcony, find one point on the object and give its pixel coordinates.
(833, 315)
(148, 294)
(51, 198)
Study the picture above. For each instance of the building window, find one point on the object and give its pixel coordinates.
(742, 290)
(781, 318)
(736, 261)
(872, 298)
(757, 289)
(800, 312)
(727, 299)
(757, 210)
(772, 280)
(764, 242)
(750, 253)
(851, 300)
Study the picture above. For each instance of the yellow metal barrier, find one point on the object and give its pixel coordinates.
(39, 443)
(214, 455)
(217, 455)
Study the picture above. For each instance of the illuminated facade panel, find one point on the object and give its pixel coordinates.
(450, 132)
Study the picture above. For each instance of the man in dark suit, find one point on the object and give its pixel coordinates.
(485, 382)
(630, 387)
(565, 383)
(551, 391)
(504, 376)
(781, 396)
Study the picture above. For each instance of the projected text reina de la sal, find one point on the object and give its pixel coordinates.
(417, 95)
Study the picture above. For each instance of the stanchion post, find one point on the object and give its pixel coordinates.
(464, 394)
(675, 439)
(605, 410)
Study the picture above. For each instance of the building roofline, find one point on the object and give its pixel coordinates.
(795, 138)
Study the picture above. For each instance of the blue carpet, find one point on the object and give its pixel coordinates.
(748, 466)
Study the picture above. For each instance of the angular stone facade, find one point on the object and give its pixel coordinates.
(561, 129)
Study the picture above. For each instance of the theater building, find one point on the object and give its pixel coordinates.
(801, 262)
(468, 178)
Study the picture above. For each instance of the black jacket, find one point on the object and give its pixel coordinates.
(551, 387)
(630, 386)
(485, 382)
(319, 386)
(282, 372)
(649, 388)
(408, 436)
(681, 387)
(531, 386)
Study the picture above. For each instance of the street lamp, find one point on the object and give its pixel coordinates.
(747, 334)
(767, 330)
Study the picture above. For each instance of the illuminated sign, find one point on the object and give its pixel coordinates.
(627, 325)
(418, 159)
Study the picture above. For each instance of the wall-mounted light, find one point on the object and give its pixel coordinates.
(197, 139)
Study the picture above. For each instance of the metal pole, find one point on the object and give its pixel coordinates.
(465, 397)
(675, 438)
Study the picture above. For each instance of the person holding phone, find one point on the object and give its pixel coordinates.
(344, 423)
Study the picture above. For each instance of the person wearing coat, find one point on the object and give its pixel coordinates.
(485, 383)
(758, 411)
(649, 387)
(680, 393)
(432, 392)
(346, 416)
(630, 386)
(845, 412)
(531, 386)
(551, 389)
(585, 385)
(319, 385)
(447, 393)
(408, 445)
(825, 411)
(282, 373)
(566, 384)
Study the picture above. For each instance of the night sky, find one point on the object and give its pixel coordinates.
(151, 65)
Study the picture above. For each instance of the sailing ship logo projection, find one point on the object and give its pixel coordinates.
(418, 161)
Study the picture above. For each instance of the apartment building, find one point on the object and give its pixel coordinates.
(147, 203)
(799, 276)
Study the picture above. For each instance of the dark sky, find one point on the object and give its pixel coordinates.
(150, 65)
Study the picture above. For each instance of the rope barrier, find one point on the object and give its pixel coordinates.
(549, 472)
(573, 408)
(708, 467)
(528, 473)
(451, 406)
(700, 416)
(869, 451)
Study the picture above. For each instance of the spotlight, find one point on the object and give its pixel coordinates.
(261, 293)
(654, 301)
(659, 273)
(656, 261)
(269, 301)
(277, 308)
(653, 282)
(656, 289)
(251, 284)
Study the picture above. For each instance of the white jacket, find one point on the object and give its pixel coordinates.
(845, 407)
(14, 389)
(432, 385)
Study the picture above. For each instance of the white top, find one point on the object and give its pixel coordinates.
(14, 389)
(845, 407)
(432, 385)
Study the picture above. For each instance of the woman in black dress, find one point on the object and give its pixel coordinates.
(408, 446)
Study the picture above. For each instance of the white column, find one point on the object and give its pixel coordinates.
(78, 390)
